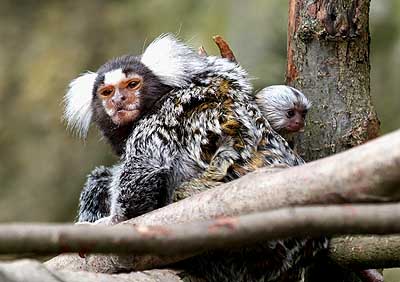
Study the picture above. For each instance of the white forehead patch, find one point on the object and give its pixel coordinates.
(114, 76)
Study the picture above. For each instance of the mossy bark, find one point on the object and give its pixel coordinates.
(328, 59)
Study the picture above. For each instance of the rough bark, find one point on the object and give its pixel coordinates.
(372, 172)
(360, 253)
(328, 59)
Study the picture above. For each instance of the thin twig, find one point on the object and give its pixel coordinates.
(224, 48)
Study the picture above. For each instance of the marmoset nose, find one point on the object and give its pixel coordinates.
(299, 122)
(118, 98)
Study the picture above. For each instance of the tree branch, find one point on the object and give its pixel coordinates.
(366, 251)
(227, 232)
(370, 172)
(370, 247)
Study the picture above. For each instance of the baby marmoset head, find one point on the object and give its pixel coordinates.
(284, 107)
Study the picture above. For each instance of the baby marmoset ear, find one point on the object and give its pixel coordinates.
(78, 103)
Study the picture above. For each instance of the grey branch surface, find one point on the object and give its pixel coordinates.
(190, 238)
(360, 251)
(367, 173)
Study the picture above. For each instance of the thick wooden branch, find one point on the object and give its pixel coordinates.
(366, 251)
(227, 232)
(367, 173)
(373, 251)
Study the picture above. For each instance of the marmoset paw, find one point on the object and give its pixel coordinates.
(109, 220)
(84, 223)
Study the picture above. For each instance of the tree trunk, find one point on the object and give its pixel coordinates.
(328, 59)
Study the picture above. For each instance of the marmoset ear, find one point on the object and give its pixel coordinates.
(78, 103)
(172, 61)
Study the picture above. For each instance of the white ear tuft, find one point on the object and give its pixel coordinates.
(172, 61)
(78, 103)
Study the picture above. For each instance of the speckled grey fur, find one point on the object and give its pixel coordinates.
(166, 146)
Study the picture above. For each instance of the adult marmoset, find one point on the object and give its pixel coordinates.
(178, 112)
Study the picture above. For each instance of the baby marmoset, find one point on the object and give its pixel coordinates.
(177, 112)
(284, 107)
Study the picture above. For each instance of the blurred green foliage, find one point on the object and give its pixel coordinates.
(45, 44)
